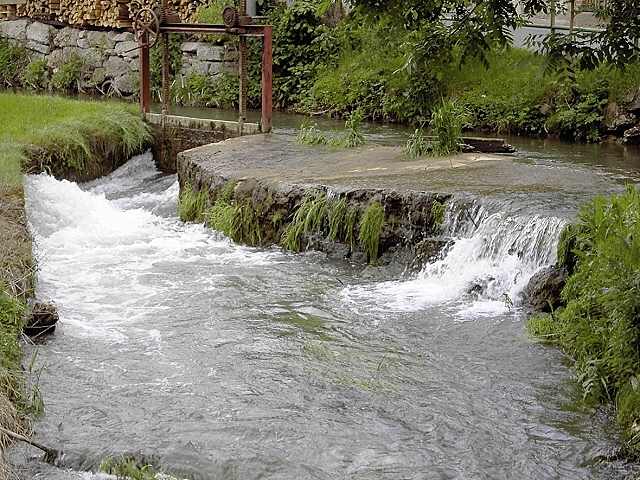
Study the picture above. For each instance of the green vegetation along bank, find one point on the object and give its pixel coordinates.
(73, 139)
(368, 63)
(598, 324)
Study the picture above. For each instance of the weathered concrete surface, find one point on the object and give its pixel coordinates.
(273, 175)
(183, 133)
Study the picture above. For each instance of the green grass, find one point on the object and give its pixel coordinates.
(57, 130)
(370, 229)
(192, 204)
(599, 328)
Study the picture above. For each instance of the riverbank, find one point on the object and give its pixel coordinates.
(70, 139)
(595, 316)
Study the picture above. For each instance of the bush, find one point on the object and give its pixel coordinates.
(13, 58)
(68, 75)
(35, 75)
(600, 325)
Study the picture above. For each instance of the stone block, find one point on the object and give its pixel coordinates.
(127, 49)
(40, 33)
(121, 37)
(37, 47)
(93, 57)
(116, 67)
(66, 37)
(190, 47)
(100, 40)
(14, 29)
(83, 40)
(210, 52)
(55, 58)
(125, 84)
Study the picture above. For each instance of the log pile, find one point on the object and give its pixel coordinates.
(96, 13)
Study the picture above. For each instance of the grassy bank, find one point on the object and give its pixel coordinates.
(599, 326)
(55, 134)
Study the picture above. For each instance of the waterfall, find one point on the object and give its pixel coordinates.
(492, 257)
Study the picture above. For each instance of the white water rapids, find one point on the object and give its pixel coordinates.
(231, 362)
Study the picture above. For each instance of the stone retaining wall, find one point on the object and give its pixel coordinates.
(110, 58)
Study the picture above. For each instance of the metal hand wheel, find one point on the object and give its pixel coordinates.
(146, 21)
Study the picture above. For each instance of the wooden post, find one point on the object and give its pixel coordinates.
(552, 20)
(267, 80)
(145, 82)
(166, 73)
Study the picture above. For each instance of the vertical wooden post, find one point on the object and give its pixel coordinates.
(145, 82)
(243, 72)
(552, 20)
(267, 80)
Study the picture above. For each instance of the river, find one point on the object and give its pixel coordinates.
(228, 362)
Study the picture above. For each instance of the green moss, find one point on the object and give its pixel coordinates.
(192, 204)
(370, 229)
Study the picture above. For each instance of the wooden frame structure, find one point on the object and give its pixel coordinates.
(150, 28)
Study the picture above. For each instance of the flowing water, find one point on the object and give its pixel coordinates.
(228, 362)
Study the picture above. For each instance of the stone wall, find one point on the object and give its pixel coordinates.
(110, 58)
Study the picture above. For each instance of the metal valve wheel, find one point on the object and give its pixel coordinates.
(146, 22)
(230, 17)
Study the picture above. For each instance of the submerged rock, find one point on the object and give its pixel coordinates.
(42, 319)
(542, 294)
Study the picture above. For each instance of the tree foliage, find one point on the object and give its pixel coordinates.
(475, 26)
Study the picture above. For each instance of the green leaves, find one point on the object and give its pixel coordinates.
(599, 327)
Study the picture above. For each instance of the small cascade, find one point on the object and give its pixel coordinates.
(492, 258)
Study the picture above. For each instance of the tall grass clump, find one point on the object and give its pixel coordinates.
(600, 328)
(192, 204)
(417, 145)
(309, 134)
(446, 124)
(370, 230)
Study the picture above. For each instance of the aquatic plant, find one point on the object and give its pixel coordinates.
(192, 204)
(417, 144)
(351, 219)
(129, 468)
(310, 135)
(293, 233)
(353, 137)
(337, 212)
(598, 327)
(447, 121)
(370, 229)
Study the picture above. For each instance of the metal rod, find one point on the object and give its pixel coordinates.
(267, 81)
(166, 73)
(145, 88)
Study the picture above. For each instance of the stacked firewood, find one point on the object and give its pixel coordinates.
(99, 13)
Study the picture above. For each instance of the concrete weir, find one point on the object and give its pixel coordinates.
(367, 204)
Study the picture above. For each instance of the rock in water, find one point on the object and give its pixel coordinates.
(42, 319)
(542, 294)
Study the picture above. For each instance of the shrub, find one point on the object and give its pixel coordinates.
(68, 75)
(35, 75)
(12, 59)
(599, 327)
